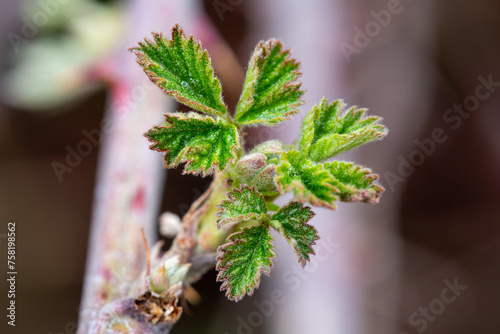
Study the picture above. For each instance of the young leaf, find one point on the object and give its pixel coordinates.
(291, 222)
(243, 204)
(272, 149)
(258, 168)
(327, 130)
(354, 182)
(248, 166)
(310, 182)
(182, 69)
(200, 141)
(243, 259)
(270, 92)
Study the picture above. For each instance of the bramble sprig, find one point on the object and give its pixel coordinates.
(208, 140)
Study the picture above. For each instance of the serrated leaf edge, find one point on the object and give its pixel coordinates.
(371, 194)
(291, 84)
(263, 217)
(142, 60)
(179, 160)
(301, 260)
(298, 188)
(376, 129)
(256, 282)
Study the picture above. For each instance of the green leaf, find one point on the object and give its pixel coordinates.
(270, 92)
(354, 182)
(291, 222)
(182, 69)
(327, 130)
(309, 181)
(243, 204)
(242, 260)
(322, 184)
(202, 142)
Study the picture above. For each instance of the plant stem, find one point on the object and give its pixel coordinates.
(209, 237)
(128, 187)
(126, 200)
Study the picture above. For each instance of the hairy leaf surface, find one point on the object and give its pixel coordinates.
(291, 222)
(327, 130)
(309, 181)
(202, 142)
(242, 260)
(182, 69)
(243, 204)
(258, 168)
(270, 92)
(354, 182)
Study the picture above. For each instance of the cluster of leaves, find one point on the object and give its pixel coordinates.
(207, 140)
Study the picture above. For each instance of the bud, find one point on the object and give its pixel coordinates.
(249, 165)
(271, 149)
(258, 168)
(264, 181)
(168, 274)
(176, 272)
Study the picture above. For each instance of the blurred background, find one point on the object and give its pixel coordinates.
(425, 259)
